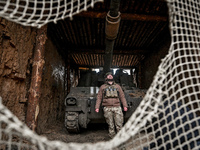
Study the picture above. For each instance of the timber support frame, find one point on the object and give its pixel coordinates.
(36, 79)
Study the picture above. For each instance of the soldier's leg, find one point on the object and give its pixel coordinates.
(108, 114)
(118, 118)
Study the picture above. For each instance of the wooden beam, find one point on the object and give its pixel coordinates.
(115, 52)
(36, 79)
(124, 16)
(95, 66)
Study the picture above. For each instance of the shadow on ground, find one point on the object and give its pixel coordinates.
(94, 133)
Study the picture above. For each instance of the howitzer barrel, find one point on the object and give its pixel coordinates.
(111, 31)
(114, 7)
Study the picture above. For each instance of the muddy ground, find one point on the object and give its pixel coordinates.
(94, 133)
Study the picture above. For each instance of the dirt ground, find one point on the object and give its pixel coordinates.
(94, 133)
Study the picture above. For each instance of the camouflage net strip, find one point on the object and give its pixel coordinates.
(37, 13)
(167, 118)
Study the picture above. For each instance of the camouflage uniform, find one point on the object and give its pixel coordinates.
(112, 106)
(114, 118)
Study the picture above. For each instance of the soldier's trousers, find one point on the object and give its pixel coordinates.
(114, 118)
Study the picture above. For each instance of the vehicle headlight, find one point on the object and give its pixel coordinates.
(71, 101)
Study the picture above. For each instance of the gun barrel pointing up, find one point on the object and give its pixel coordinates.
(111, 31)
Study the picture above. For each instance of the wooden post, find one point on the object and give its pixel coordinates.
(68, 75)
(36, 79)
(140, 75)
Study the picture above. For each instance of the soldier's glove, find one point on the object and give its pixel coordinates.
(97, 110)
(125, 108)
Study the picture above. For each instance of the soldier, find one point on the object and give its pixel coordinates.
(110, 94)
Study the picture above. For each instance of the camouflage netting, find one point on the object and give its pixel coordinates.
(168, 116)
(37, 13)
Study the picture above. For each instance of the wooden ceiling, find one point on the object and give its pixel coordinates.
(144, 23)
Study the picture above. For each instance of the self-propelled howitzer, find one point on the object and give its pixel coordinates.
(80, 102)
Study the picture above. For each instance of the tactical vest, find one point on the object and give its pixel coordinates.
(111, 92)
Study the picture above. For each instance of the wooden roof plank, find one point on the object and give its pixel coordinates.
(124, 16)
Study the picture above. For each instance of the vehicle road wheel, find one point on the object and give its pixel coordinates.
(71, 122)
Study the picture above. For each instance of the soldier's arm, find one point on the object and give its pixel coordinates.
(99, 98)
(122, 97)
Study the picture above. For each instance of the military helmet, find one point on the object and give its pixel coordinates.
(108, 73)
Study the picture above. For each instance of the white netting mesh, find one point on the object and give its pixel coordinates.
(168, 116)
(37, 13)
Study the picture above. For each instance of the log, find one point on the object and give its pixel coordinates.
(36, 79)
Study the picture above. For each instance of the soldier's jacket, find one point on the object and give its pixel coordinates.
(110, 100)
